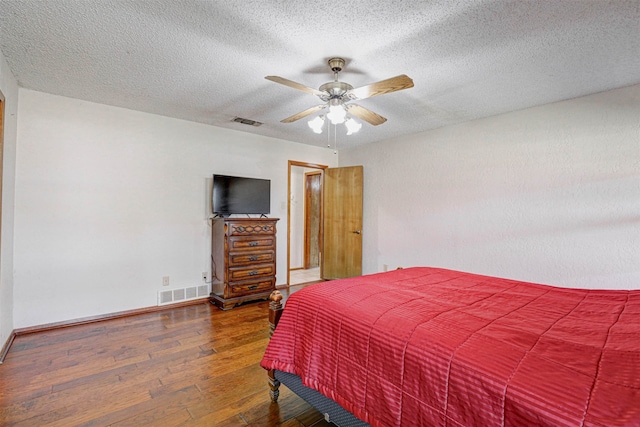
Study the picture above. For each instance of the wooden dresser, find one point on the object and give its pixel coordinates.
(243, 260)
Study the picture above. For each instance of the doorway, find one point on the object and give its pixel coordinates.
(304, 224)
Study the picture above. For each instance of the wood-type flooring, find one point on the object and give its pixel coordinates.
(186, 366)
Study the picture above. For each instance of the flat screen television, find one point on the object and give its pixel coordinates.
(239, 195)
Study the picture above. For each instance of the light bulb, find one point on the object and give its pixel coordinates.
(316, 124)
(352, 126)
(337, 113)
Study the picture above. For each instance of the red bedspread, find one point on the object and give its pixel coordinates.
(434, 347)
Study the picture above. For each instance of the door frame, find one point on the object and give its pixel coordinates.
(2, 106)
(291, 164)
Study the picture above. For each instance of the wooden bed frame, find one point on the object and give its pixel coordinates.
(275, 311)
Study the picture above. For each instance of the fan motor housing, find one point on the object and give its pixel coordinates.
(336, 89)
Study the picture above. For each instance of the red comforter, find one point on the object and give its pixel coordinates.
(434, 347)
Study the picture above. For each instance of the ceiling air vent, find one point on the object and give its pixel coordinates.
(246, 121)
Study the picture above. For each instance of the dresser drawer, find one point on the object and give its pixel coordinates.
(252, 272)
(251, 243)
(250, 228)
(251, 258)
(250, 287)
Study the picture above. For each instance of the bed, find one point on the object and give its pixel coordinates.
(434, 347)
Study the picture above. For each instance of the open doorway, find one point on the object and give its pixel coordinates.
(304, 225)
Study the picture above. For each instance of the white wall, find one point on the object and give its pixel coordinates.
(9, 88)
(109, 200)
(548, 194)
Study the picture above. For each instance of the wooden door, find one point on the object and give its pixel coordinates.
(342, 222)
(312, 204)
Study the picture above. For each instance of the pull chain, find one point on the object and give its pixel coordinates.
(335, 138)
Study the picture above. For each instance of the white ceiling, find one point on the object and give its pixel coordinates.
(205, 61)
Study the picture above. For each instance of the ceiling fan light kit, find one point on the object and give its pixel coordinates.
(337, 114)
(337, 97)
(316, 124)
(352, 126)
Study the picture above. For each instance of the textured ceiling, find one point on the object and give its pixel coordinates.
(206, 61)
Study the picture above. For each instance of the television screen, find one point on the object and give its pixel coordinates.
(238, 195)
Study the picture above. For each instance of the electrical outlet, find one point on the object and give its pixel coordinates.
(165, 281)
(204, 275)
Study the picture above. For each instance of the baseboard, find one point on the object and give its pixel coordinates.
(109, 316)
(7, 346)
(311, 282)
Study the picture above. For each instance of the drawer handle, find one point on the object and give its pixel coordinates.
(252, 244)
(253, 287)
(240, 228)
(253, 258)
(253, 273)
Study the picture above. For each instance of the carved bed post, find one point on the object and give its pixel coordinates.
(275, 311)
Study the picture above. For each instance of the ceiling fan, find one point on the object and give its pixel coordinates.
(337, 96)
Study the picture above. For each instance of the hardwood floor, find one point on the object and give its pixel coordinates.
(188, 366)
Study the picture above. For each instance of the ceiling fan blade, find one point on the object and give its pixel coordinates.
(365, 114)
(303, 114)
(295, 85)
(380, 88)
